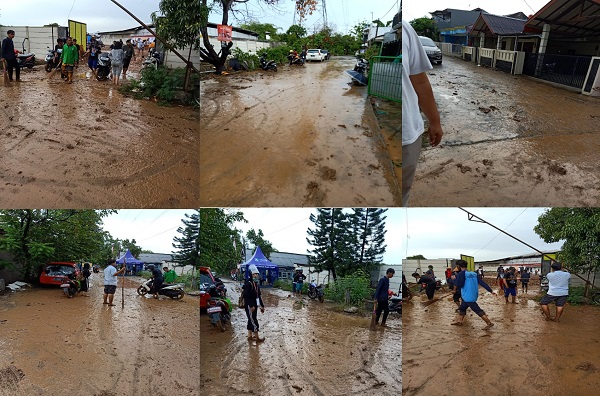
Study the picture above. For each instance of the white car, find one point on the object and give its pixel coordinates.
(315, 54)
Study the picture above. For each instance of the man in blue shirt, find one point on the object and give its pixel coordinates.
(558, 291)
(381, 295)
(8, 54)
(468, 282)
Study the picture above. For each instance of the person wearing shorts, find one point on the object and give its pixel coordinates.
(510, 279)
(558, 291)
(525, 276)
(468, 282)
(70, 59)
(110, 281)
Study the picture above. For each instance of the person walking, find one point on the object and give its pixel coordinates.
(8, 55)
(140, 46)
(93, 53)
(110, 281)
(70, 59)
(468, 282)
(116, 56)
(525, 276)
(252, 301)
(129, 52)
(510, 280)
(169, 275)
(382, 295)
(558, 291)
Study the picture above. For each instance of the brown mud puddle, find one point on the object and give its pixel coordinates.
(521, 355)
(297, 137)
(309, 349)
(53, 345)
(508, 141)
(85, 145)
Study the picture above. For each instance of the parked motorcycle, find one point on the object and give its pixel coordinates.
(360, 72)
(25, 59)
(270, 65)
(315, 291)
(51, 62)
(70, 288)
(296, 60)
(104, 64)
(153, 60)
(395, 304)
(167, 289)
(218, 307)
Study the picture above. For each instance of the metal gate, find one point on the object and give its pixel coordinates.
(385, 77)
(562, 69)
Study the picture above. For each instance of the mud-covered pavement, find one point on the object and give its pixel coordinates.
(85, 145)
(309, 350)
(521, 355)
(300, 136)
(53, 345)
(509, 141)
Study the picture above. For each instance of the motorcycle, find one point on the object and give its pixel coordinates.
(70, 288)
(360, 72)
(315, 291)
(270, 65)
(219, 306)
(153, 60)
(395, 304)
(25, 59)
(170, 290)
(296, 60)
(103, 66)
(51, 62)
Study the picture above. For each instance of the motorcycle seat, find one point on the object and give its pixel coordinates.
(24, 56)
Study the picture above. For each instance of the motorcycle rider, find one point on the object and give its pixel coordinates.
(157, 280)
(252, 300)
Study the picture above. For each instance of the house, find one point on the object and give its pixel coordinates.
(454, 24)
(289, 262)
(373, 34)
(500, 32)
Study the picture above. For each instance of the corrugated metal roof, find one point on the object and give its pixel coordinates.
(155, 258)
(571, 18)
(498, 25)
(283, 259)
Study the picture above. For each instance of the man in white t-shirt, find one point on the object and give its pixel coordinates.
(110, 281)
(558, 291)
(417, 96)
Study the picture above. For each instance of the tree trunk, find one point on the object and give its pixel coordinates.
(208, 53)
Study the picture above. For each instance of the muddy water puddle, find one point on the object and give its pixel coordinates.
(521, 354)
(309, 349)
(508, 141)
(64, 345)
(298, 137)
(85, 145)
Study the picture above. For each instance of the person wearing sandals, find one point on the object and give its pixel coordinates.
(468, 282)
(252, 301)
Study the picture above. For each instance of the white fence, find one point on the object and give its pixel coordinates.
(35, 39)
(509, 61)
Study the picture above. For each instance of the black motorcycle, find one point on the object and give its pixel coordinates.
(26, 59)
(360, 72)
(395, 304)
(296, 60)
(103, 66)
(52, 59)
(315, 291)
(270, 65)
(218, 306)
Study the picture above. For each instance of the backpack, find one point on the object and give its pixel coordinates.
(470, 290)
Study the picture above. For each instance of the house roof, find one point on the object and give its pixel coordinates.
(155, 258)
(568, 18)
(283, 259)
(498, 25)
(130, 30)
(451, 17)
(518, 257)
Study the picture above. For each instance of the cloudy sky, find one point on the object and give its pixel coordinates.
(413, 9)
(447, 232)
(286, 229)
(153, 229)
(100, 15)
(344, 14)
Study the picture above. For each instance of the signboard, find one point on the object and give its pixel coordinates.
(470, 262)
(224, 32)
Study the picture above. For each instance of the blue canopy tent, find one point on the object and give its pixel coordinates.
(133, 265)
(269, 272)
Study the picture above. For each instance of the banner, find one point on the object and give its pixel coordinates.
(224, 32)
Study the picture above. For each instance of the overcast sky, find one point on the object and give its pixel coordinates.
(447, 233)
(153, 229)
(413, 9)
(344, 14)
(100, 15)
(286, 229)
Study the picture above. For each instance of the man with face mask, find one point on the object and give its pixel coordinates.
(253, 300)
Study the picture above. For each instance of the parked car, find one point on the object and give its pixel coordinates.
(56, 273)
(433, 52)
(206, 280)
(315, 54)
(326, 53)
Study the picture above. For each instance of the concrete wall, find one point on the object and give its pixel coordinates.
(420, 266)
(39, 38)
(396, 279)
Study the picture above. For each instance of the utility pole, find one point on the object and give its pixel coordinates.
(324, 13)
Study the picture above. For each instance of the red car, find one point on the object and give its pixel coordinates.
(56, 273)
(206, 279)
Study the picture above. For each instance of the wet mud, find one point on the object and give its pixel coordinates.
(522, 354)
(310, 349)
(298, 137)
(508, 141)
(52, 345)
(85, 145)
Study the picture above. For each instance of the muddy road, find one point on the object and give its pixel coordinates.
(509, 141)
(309, 350)
(298, 137)
(84, 145)
(53, 345)
(521, 355)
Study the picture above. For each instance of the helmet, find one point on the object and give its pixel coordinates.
(300, 269)
(291, 51)
(253, 270)
(151, 267)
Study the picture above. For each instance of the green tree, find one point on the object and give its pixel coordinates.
(579, 228)
(257, 239)
(179, 23)
(188, 244)
(358, 30)
(426, 27)
(369, 231)
(35, 236)
(220, 243)
(262, 29)
(417, 257)
(131, 245)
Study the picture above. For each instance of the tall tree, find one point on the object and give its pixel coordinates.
(331, 243)
(426, 27)
(35, 236)
(220, 243)
(131, 245)
(370, 233)
(188, 244)
(263, 29)
(579, 228)
(258, 239)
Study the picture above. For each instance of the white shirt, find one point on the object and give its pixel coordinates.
(558, 283)
(109, 276)
(414, 61)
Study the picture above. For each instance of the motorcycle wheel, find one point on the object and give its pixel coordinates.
(274, 68)
(220, 325)
(141, 291)
(100, 75)
(321, 298)
(312, 294)
(179, 295)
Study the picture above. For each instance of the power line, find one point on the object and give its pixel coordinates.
(395, 4)
(500, 232)
(291, 225)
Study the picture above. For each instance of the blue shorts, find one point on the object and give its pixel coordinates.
(462, 310)
(510, 290)
(299, 286)
(93, 63)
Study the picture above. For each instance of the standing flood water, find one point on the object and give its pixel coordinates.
(309, 349)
